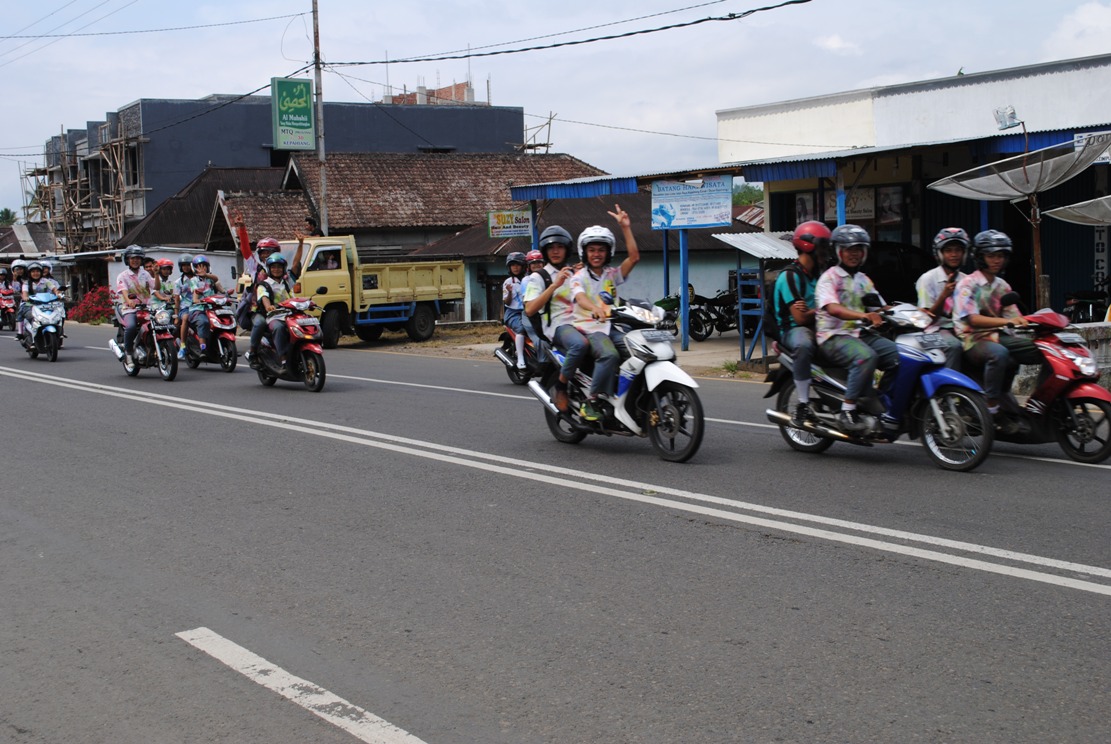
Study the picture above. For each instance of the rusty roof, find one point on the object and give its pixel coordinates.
(397, 190)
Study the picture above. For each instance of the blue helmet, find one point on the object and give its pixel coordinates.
(275, 258)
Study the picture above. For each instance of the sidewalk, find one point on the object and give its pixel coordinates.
(719, 350)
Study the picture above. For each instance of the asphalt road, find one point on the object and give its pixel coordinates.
(409, 556)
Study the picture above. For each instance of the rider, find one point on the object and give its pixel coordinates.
(839, 297)
(184, 295)
(274, 289)
(935, 289)
(549, 290)
(793, 304)
(35, 283)
(598, 276)
(5, 278)
(202, 285)
(981, 319)
(513, 299)
(256, 267)
(133, 287)
(163, 294)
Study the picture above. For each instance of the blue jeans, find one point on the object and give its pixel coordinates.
(574, 348)
(258, 327)
(199, 319)
(606, 361)
(1000, 362)
(280, 333)
(862, 356)
(800, 342)
(130, 323)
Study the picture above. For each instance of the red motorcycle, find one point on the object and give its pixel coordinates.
(1068, 404)
(220, 310)
(305, 356)
(507, 355)
(7, 308)
(155, 346)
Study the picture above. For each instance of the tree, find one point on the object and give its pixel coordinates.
(747, 194)
(7, 217)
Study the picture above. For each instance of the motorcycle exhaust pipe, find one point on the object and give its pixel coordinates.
(784, 419)
(115, 348)
(542, 395)
(504, 358)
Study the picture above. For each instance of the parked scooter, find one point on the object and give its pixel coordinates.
(305, 357)
(155, 345)
(655, 398)
(1068, 405)
(221, 350)
(944, 409)
(7, 309)
(42, 330)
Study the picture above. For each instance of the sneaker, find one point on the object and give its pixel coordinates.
(560, 400)
(252, 359)
(589, 412)
(521, 364)
(203, 347)
(181, 353)
(850, 421)
(128, 359)
(804, 414)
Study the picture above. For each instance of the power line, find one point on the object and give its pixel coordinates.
(156, 30)
(470, 55)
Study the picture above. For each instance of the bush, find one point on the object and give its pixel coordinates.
(95, 307)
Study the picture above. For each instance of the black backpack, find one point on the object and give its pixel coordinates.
(536, 321)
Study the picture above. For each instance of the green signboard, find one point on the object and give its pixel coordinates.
(294, 124)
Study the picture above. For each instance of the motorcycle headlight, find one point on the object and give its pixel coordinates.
(1082, 358)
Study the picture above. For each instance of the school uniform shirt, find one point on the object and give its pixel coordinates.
(929, 286)
(837, 286)
(559, 306)
(975, 295)
(278, 290)
(140, 284)
(513, 287)
(585, 282)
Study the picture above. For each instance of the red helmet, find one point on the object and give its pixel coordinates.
(810, 236)
(268, 244)
(163, 262)
(534, 256)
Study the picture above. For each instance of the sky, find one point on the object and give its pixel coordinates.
(644, 103)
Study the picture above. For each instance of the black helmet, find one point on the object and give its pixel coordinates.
(949, 235)
(133, 250)
(844, 236)
(555, 234)
(516, 257)
(991, 241)
(186, 259)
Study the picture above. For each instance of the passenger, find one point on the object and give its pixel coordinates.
(257, 268)
(163, 294)
(935, 289)
(184, 295)
(548, 297)
(274, 289)
(839, 297)
(512, 292)
(591, 315)
(793, 305)
(202, 285)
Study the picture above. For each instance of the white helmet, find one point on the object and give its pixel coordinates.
(596, 234)
(19, 263)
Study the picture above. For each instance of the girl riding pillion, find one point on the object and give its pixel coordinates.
(202, 285)
(512, 291)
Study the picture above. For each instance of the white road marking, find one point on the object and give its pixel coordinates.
(626, 489)
(356, 721)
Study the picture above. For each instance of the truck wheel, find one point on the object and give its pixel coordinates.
(422, 324)
(368, 333)
(329, 327)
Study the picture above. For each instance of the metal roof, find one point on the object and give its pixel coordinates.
(760, 245)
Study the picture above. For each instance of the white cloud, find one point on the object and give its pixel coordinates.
(837, 45)
(1082, 33)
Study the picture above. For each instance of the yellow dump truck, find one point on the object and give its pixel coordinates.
(366, 298)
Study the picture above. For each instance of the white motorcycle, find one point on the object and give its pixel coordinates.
(42, 330)
(654, 399)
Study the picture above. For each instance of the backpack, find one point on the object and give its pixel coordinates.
(537, 323)
(774, 322)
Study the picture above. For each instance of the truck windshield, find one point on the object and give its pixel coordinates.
(325, 259)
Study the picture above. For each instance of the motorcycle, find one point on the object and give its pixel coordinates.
(1068, 405)
(945, 409)
(1087, 305)
(42, 330)
(714, 314)
(305, 356)
(7, 309)
(155, 345)
(220, 310)
(507, 355)
(655, 398)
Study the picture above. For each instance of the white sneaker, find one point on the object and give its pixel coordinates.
(521, 364)
(128, 359)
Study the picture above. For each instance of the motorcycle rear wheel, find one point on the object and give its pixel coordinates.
(799, 439)
(516, 376)
(971, 431)
(677, 423)
(312, 367)
(167, 360)
(1090, 441)
(561, 426)
(266, 378)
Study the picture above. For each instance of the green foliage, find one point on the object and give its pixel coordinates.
(747, 194)
(95, 307)
(7, 217)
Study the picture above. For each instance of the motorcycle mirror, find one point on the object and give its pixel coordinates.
(872, 300)
(1011, 298)
(606, 298)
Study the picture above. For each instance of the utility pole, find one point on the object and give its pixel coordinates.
(319, 119)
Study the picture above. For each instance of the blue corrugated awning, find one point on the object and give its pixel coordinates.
(580, 188)
(790, 170)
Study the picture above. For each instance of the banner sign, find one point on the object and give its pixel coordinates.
(676, 204)
(509, 224)
(291, 105)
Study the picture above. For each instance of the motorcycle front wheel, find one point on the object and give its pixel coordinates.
(312, 367)
(799, 439)
(701, 325)
(676, 423)
(1089, 438)
(963, 436)
(50, 347)
(228, 355)
(167, 360)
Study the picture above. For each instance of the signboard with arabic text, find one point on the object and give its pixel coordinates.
(294, 123)
(704, 203)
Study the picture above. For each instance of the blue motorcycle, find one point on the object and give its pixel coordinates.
(944, 409)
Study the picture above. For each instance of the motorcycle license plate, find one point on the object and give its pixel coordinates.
(1072, 338)
(932, 341)
(656, 337)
